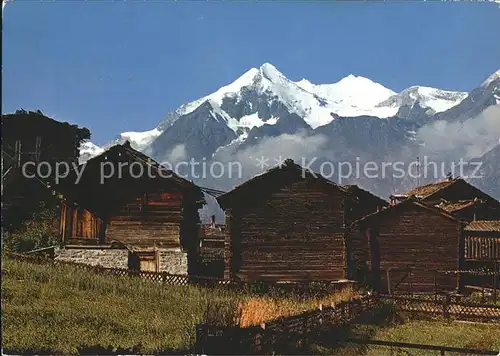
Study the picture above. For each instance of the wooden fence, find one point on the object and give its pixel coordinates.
(449, 307)
(289, 334)
(315, 287)
(281, 335)
(373, 347)
(485, 274)
(482, 248)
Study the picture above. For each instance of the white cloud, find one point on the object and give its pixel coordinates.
(470, 139)
(177, 154)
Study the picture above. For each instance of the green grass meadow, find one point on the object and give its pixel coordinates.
(62, 309)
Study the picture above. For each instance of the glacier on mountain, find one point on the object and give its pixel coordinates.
(316, 104)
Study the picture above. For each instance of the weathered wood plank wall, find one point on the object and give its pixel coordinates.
(419, 239)
(295, 233)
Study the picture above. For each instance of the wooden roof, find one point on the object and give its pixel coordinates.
(394, 208)
(91, 194)
(26, 122)
(453, 207)
(427, 190)
(272, 179)
(141, 157)
(437, 191)
(484, 225)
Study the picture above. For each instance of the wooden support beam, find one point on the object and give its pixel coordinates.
(17, 154)
(38, 145)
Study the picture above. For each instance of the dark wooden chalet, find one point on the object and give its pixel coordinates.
(145, 213)
(28, 140)
(288, 224)
(482, 251)
(458, 197)
(411, 245)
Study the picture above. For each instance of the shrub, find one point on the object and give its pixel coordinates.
(41, 230)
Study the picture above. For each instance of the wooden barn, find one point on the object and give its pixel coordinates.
(482, 252)
(125, 210)
(457, 197)
(288, 225)
(31, 139)
(407, 243)
(213, 237)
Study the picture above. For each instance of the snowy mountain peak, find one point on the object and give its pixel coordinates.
(491, 79)
(89, 150)
(352, 95)
(351, 78)
(247, 79)
(265, 96)
(436, 99)
(270, 72)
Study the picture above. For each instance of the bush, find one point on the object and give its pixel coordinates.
(38, 232)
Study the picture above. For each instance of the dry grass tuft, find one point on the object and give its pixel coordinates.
(259, 309)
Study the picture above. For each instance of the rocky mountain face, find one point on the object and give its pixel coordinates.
(196, 133)
(263, 114)
(486, 174)
(476, 102)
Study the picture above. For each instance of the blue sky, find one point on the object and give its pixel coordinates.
(121, 66)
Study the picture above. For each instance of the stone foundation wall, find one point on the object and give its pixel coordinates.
(108, 258)
(173, 261)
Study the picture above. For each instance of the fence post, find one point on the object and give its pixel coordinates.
(446, 307)
(495, 281)
(435, 287)
(388, 273)
(199, 346)
(261, 336)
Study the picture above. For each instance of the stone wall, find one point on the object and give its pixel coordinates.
(173, 261)
(105, 257)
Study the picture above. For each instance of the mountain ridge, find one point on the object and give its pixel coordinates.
(355, 118)
(339, 94)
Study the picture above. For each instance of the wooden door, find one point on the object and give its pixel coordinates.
(148, 261)
(147, 265)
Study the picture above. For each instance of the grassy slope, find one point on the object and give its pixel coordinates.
(62, 309)
(429, 332)
(456, 334)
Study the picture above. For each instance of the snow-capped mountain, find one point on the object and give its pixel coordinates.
(352, 90)
(476, 102)
(264, 95)
(89, 150)
(435, 100)
(355, 117)
(492, 78)
(314, 103)
(138, 140)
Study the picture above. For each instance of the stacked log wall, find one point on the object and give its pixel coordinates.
(152, 219)
(420, 239)
(293, 234)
